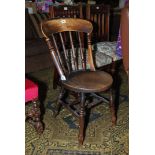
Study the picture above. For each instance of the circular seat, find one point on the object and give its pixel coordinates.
(88, 81)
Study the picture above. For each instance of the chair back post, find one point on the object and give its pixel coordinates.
(90, 56)
(55, 59)
(107, 23)
(81, 11)
(53, 54)
(51, 12)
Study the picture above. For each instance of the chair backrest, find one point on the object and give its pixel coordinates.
(71, 11)
(67, 58)
(99, 15)
(125, 36)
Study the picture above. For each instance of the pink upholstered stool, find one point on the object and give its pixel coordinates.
(31, 95)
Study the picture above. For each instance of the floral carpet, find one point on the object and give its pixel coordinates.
(60, 133)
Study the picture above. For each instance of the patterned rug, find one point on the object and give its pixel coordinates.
(60, 133)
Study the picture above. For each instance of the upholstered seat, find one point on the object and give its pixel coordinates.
(108, 48)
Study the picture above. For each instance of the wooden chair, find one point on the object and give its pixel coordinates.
(76, 69)
(33, 113)
(125, 36)
(99, 15)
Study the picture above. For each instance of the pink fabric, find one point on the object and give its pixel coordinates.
(31, 90)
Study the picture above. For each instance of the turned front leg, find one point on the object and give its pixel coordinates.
(58, 106)
(82, 119)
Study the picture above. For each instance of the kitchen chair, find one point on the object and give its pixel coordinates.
(76, 69)
(99, 15)
(33, 113)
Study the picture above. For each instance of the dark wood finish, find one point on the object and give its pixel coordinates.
(112, 108)
(82, 119)
(64, 11)
(33, 116)
(88, 81)
(115, 14)
(99, 15)
(82, 79)
(112, 3)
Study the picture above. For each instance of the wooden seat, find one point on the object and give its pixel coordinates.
(88, 81)
(84, 81)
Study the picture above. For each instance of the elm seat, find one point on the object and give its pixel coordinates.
(33, 113)
(80, 81)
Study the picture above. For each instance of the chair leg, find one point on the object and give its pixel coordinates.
(55, 78)
(113, 68)
(59, 105)
(35, 120)
(82, 119)
(112, 108)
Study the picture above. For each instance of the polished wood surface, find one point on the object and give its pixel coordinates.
(82, 79)
(88, 81)
(57, 27)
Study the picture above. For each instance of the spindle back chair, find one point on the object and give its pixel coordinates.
(76, 69)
